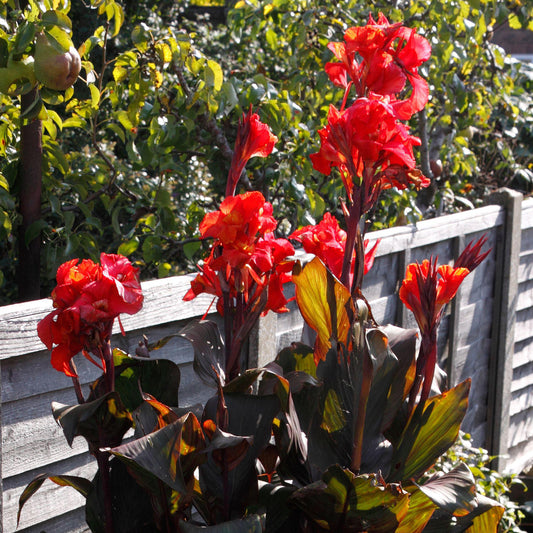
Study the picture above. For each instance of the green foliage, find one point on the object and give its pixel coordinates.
(139, 148)
(488, 482)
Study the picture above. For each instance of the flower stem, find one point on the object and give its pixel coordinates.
(76, 383)
(107, 357)
(102, 459)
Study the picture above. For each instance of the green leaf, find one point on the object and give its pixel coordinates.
(158, 377)
(34, 230)
(213, 75)
(140, 37)
(125, 120)
(102, 422)
(128, 247)
(430, 431)
(190, 248)
(272, 38)
(56, 18)
(56, 156)
(24, 37)
(344, 502)
(151, 248)
(59, 39)
(95, 96)
(82, 485)
(115, 14)
(74, 122)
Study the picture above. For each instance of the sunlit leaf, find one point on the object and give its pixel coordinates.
(344, 502)
(171, 454)
(316, 289)
(213, 75)
(102, 422)
(82, 485)
(430, 431)
(421, 508)
(56, 18)
(488, 520)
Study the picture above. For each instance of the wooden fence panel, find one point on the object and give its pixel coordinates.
(32, 443)
(521, 404)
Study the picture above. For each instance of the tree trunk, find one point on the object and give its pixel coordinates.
(30, 181)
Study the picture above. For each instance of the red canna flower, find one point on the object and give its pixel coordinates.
(126, 296)
(381, 58)
(254, 138)
(246, 259)
(427, 288)
(237, 225)
(87, 299)
(327, 241)
(371, 149)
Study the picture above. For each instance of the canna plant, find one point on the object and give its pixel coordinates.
(338, 436)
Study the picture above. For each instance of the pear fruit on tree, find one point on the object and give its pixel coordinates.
(53, 69)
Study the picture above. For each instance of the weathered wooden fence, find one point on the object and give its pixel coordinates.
(491, 319)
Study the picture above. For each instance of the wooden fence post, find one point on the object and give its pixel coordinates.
(503, 326)
(262, 348)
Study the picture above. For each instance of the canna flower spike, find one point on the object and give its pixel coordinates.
(426, 290)
(87, 299)
(381, 58)
(254, 139)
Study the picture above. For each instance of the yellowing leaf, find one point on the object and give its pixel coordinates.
(213, 75)
(421, 508)
(488, 521)
(164, 52)
(333, 418)
(312, 297)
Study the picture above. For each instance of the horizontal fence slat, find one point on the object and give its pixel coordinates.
(31, 439)
(163, 303)
(524, 324)
(520, 457)
(523, 353)
(527, 214)
(427, 232)
(525, 267)
(522, 427)
(50, 500)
